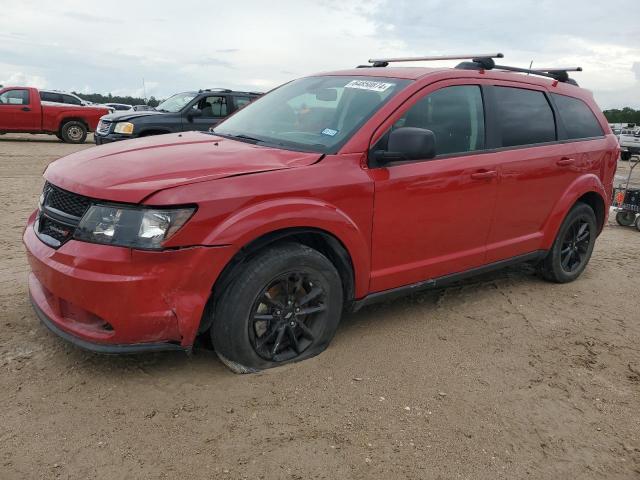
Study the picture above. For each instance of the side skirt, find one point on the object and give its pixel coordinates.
(444, 280)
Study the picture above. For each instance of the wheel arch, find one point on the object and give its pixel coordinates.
(321, 240)
(587, 189)
(65, 120)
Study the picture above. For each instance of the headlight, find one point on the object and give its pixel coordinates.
(124, 127)
(143, 228)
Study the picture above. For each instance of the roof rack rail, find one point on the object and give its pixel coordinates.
(225, 90)
(559, 74)
(383, 62)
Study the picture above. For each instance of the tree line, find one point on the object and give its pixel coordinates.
(99, 98)
(624, 115)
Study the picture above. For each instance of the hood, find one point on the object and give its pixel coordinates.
(131, 171)
(126, 115)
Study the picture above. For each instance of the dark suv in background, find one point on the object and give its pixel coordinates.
(182, 112)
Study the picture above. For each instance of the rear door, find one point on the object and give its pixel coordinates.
(18, 112)
(433, 217)
(536, 167)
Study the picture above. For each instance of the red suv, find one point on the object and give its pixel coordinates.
(329, 193)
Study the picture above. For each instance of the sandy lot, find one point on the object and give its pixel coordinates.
(504, 376)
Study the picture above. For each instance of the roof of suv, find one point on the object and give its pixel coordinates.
(415, 73)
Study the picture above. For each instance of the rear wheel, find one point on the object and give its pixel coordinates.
(626, 156)
(73, 131)
(282, 306)
(638, 223)
(626, 219)
(572, 247)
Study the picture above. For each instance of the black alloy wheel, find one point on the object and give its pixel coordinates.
(285, 316)
(282, 304)
(575, 245)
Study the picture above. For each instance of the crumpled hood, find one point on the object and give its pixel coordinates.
(131, 170)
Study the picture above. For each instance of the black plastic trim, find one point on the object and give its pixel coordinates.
(385, 295)
(102, 348)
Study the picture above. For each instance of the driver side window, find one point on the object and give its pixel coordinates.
(212, 106)
(15, 97)
(454, 114)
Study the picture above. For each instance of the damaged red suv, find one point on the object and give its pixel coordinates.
(329, 193)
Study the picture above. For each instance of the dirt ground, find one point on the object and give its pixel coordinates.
(504, 376)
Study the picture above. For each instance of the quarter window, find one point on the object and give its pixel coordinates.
(524, 117)
(578, 119)
(15, 97)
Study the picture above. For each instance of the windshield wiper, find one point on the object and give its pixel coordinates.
(240, 137)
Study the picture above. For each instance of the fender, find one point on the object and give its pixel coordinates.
(580, 186)
(249, 224)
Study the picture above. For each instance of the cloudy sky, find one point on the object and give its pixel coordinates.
(110, 46)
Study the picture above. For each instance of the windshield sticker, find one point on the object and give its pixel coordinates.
(329, 131)
(369, 85)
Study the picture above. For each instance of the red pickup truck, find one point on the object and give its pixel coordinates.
(21, 111)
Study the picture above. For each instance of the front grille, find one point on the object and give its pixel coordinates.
(103, 127)
(60, 213)
(66, 202)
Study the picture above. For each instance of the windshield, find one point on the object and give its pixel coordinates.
(316, 114)
(176, 103)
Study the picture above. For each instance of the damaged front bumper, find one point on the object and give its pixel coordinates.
(118, 300)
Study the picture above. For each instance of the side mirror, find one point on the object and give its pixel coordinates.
(194, 114)
(408, 143)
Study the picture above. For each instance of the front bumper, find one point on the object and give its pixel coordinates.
(117, 300)
(110, 138)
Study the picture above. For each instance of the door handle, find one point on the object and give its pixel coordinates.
(26, 109)
(565, 162)
(486, 175)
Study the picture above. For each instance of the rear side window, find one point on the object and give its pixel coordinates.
(50, 97)
(524, 117)
(454, 114)
(579, 121)
(71, 100)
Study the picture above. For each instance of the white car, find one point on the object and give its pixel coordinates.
(629, 143)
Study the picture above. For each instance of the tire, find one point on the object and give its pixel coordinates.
(73, 131)
(638, 223)
(59, 136)
(572, 247)
(257, 321)
(625, 156)
(625, 218)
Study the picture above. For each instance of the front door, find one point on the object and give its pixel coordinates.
(17, 113)
(213, 108)
(433, 217)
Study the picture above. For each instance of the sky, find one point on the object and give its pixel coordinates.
(110, 47)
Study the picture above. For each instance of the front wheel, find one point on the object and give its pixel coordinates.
(572, 247)
(281, 306)
(73, 131)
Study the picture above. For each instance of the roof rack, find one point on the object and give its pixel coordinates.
(383, 62)
(482, 62)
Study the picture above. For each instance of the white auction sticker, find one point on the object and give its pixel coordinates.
(369, 85)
